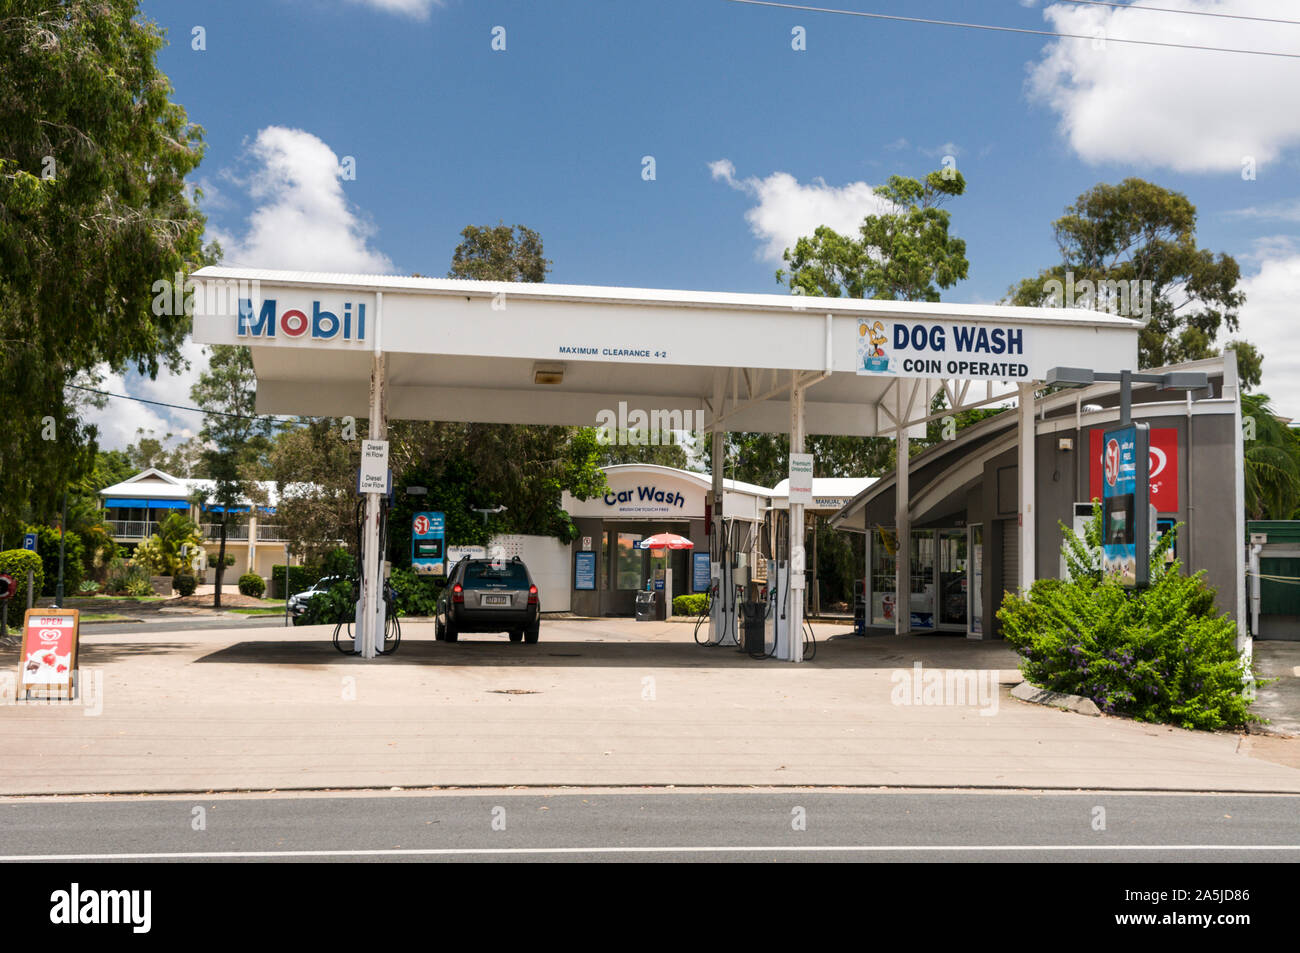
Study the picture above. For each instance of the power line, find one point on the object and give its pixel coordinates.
(1013, 29)
(159, 403)
(1190, 13)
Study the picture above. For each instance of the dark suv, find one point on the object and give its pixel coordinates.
(489, 595)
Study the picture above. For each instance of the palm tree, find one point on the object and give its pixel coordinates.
(1272, 462)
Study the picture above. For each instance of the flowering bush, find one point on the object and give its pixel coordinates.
(1159, 654)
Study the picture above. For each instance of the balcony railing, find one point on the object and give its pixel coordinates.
(212, 531)
(132, 529)
(270, 533)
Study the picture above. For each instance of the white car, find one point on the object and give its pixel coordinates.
(298, 601)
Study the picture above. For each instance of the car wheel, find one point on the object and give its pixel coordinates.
(516, 635)
(450, 634)
(439, 630)
(531, 635)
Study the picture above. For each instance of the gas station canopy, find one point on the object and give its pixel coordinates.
(635, 358)
(493, 352)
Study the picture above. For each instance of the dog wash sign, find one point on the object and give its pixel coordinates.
(923, 349)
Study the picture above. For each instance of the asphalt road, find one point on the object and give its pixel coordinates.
(663, 826)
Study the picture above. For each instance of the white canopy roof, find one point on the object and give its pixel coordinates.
(476, 351)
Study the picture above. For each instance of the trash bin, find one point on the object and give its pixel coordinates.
(754, 619)
(645, 606)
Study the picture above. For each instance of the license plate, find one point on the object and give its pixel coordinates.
(496, 600)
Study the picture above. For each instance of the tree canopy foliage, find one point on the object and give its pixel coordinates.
(1115, 235)
(93, 211)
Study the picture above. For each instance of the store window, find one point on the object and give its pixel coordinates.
(883, 546)
(922, 579)
(629, 561)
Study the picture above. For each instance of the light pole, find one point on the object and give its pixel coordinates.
(63, 535)
(1170, 380)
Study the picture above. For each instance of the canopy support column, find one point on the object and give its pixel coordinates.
(370, 610)
(1026, 470)
(902, 522)
(797, 557)
(722, 610)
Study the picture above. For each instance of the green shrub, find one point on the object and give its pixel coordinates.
(416, 595)
(128, 578)
(88, 587)
(338, 604)
(300, 578)
(139, 585)
(691, 604)
(73, 558)
(338, 562)
(1160, 654)
(16, 562)
(251, 584)
(185, 584)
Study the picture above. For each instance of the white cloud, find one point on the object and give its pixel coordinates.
(1288, 211)
(1268, 320)
(947, 149)
(118, 419)
(303, 220)
(787, 210)
(1187, 110)
(419, 9)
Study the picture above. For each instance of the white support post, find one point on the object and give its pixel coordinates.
(722, 614)
(370, 621)
(794, 623)
(902, 522)
(1026, 471)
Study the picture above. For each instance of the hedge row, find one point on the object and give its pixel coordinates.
(300, 578)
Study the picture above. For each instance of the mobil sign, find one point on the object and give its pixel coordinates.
(1162, 467)
(335, 319)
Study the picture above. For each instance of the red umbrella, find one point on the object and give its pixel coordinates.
(666, 541)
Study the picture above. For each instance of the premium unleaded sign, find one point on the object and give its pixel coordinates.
(49, 654)
(801, 478)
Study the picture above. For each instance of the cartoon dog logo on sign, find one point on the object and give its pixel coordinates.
(872, 338)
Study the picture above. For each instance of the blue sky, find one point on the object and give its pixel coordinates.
(753, 141)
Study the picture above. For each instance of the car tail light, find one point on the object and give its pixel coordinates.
(458, 593)
(532, 595)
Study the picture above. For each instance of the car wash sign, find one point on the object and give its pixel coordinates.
(317, 321)
(977, 350)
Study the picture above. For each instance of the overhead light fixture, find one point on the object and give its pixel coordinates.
(1070, 377)
(548, 373)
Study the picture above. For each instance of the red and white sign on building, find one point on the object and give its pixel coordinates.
(1162, 468)
(49, 654)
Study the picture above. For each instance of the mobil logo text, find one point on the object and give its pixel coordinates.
(317, 323)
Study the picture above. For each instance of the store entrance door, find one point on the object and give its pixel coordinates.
(954, 580)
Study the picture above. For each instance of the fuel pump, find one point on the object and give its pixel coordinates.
(388, 595)
(724, 605)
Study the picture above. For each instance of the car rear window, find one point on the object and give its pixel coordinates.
(487, 576)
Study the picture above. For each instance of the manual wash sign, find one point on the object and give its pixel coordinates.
(919, 349)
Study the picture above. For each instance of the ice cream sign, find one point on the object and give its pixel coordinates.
(49, 653)
(973, 351)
